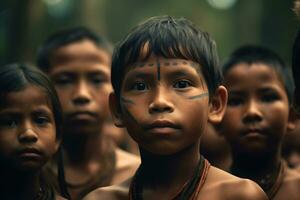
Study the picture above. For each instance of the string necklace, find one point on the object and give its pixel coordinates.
(271, 184)
(189, 190)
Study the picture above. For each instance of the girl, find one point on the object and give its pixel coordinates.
(30, 117)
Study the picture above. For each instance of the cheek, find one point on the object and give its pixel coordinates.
(231, 121)
(50, 142)
(63, 96)
(281, 117)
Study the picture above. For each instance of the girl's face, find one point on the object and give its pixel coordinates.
(27, 130)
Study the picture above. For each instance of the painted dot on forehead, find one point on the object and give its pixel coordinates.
(158, 69)
(166, 63)
(174, 63)
(184, 62)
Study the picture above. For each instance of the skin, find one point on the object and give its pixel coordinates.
(256, 119)
(81, 74)
(160, 92)
(215, 148)
(26, 123)
(291, 146)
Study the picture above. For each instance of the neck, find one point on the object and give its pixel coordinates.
(82, 148)
(254, 167)
(19, 185)
(169, 171)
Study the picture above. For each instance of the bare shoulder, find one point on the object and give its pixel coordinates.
(115, 192)
(221, 185)
(126, 165)
(58, 197)
(289, 188)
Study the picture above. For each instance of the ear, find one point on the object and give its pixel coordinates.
(292, 120)
(115, 110)
(218, 105)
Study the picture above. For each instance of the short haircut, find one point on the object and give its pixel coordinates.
(66, 37)
(170, 38)
(15, 77)
(252, 54)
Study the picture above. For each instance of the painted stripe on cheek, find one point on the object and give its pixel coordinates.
(199, 96)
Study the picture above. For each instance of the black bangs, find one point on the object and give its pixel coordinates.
(169, 38)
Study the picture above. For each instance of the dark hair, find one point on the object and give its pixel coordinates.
(16, 77)
(251, 54)
(65, 37)
(296, 69)
(170, 38)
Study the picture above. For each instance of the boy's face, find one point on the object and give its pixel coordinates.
(164, 104)
(257, 112)
(27, 130)
(81, 74)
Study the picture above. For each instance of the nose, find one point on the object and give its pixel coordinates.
(253, 113)
(81, 94)
(27, 134)
(161, 102)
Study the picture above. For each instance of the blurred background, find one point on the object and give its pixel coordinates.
(24, 24)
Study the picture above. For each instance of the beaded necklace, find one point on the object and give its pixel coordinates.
(189, 191)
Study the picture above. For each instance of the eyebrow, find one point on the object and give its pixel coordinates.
(43, 110)
(141, 75)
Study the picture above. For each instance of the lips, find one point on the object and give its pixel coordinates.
(82, 115)
(162, 127)
(254, 132)
(29, 153)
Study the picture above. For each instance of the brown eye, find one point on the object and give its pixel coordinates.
(182, 84)
(140, 86)
(234, 101)
(8, 123)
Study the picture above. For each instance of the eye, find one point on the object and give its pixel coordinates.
(270, 97)
(182, 84)
(98, 79)
(41, 120)
(8, 123)
(235, 101)
(139, 86)
(62, 80)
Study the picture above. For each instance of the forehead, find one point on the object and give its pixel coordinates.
(25, 98)
(157, 64)
(253, 75)
(84, 54)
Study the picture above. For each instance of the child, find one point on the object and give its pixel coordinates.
(166, 89)
(257, 117)
(78, 61)
(30, 118)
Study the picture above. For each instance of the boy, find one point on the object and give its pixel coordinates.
(257, 118)
(166, 89)
(78, 61)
